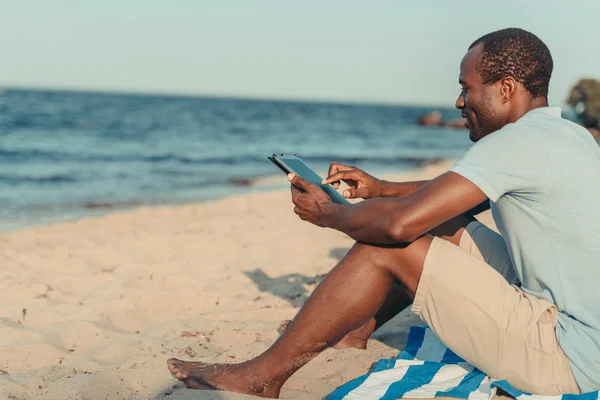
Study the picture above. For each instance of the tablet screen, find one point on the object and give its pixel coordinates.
(304, 171)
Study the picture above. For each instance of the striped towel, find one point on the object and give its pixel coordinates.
(426, 369)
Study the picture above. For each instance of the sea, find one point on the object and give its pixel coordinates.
(67, 155)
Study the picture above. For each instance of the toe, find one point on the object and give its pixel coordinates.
(174, 365)
(182, 375)
(173, 368)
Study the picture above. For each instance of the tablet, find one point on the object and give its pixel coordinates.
(294, 164)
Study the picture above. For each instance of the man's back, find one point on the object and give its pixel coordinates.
(540, 174)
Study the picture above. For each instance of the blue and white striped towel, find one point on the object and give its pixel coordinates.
(426, 369)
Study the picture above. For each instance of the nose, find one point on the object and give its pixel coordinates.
(460, 102)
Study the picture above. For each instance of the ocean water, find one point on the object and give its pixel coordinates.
(64, 155)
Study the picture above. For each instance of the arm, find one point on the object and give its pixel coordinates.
(479, 208)
(398, 220)
(363, 185)
(401, 189)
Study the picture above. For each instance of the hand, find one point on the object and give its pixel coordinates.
(312, 205)
(362, 185)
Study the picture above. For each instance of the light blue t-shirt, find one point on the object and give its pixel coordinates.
(542, 176)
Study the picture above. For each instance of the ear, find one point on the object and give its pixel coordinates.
(508, 88)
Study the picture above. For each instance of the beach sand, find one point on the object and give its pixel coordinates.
(92, 309)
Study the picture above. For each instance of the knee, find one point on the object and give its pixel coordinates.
(452, 230)
(369, 256)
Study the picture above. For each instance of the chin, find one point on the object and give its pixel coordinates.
(476, 133)
(473, 136)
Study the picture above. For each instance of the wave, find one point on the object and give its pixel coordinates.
(387, 160)
(51, 179)
(108, 205)
(56, 156)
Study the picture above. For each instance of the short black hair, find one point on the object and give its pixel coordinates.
(516, 53)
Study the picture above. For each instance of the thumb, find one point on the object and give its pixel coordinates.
(298, 182)
(352, 193)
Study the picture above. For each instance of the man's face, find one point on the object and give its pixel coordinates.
(480, 104)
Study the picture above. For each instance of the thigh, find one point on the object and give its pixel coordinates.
(490, 323)
(402, 261)
(489, 246)
(479, 240)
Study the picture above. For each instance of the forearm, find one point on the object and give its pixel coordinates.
(389, 220)
(370, 221)
(400, 189)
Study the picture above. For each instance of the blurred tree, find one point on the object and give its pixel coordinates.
(585, 99)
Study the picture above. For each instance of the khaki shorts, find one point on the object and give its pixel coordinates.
(466, 297)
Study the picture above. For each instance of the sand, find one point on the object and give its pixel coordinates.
(92, 309)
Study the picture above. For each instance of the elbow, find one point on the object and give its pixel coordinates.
(400, 232)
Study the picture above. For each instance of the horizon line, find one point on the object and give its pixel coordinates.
(212, 96)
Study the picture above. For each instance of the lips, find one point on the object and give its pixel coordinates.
(465, 116)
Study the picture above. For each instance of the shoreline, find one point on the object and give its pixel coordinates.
(237, 187)
(93, 308)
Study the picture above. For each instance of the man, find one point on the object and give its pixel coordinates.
(522, 306)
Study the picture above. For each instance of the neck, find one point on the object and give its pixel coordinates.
(525, 104)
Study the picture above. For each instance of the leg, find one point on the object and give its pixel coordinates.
(397, 300)
(472, 307)
(349, 297)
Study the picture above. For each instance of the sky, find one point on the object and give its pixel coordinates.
(370, 51)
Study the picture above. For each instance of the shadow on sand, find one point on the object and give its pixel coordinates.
(294, 288)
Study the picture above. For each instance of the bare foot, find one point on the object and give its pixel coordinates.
(237, 378)
(356, 339)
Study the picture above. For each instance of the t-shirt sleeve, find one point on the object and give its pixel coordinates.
(507, 161)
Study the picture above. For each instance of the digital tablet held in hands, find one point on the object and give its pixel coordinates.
(294, 164)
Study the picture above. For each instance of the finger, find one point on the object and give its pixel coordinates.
(298, 211)
(301, 183)
(341, 176)
(295, 194)
(296, 186)
(355, 193)
(334, 168)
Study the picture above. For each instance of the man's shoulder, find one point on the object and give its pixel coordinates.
(520, 139)
(538, 126)
(548, 121)
(505, 136)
